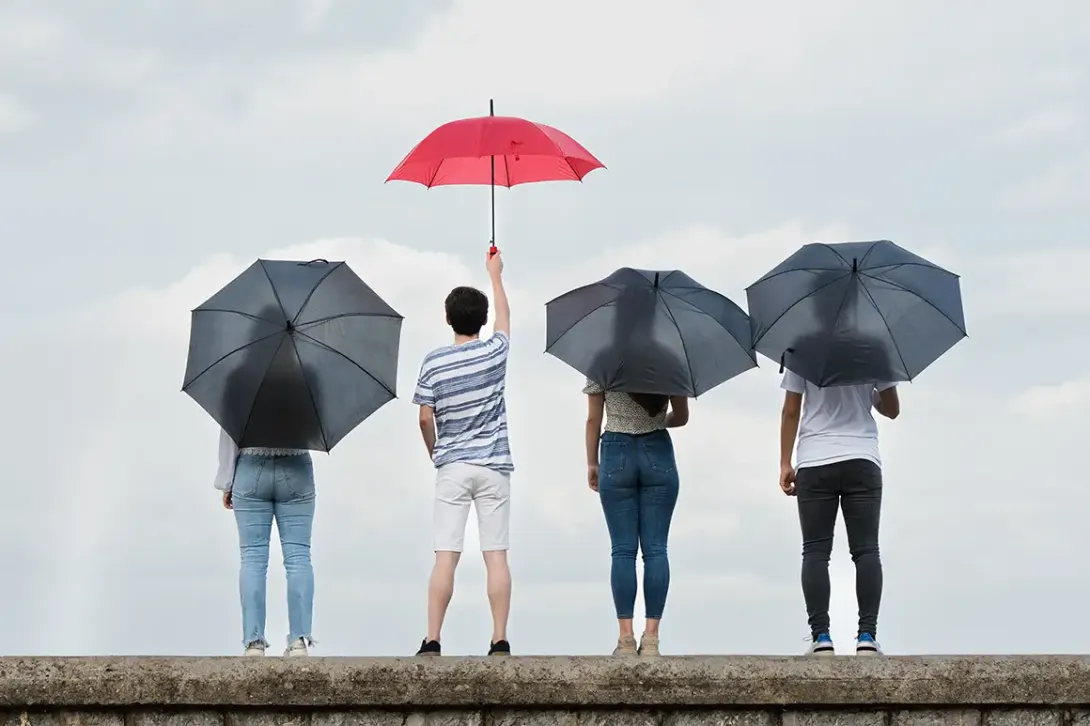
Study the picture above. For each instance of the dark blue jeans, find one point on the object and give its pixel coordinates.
(638, 485)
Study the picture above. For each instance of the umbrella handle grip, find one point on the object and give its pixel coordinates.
(492, 251)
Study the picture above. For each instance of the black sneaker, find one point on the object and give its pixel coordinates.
(429, 647)
(500, 647)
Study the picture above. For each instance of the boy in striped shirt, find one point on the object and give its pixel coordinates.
(463, 420)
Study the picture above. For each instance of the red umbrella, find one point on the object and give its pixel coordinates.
(493, 150)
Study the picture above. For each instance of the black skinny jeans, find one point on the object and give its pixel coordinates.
(854, 486)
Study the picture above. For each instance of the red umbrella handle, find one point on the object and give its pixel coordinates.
(492, 250)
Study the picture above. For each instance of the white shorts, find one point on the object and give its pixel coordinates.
(456, 486)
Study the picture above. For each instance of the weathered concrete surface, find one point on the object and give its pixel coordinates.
(559, 685)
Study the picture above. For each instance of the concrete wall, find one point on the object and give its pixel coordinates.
(533, 691)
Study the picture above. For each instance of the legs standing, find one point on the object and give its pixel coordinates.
(253, 507)
(492, 499)
(293, 482)
(658, 495)
(452, 500)
(617, 489)
(817, 490)
(861, 501)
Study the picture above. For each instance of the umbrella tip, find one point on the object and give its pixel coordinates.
(656, 279)
(855, 264)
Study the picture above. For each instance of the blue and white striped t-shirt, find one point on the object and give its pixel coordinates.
(464, 384)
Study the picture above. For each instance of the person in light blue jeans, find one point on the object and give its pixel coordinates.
(262, 486)
(632, 467)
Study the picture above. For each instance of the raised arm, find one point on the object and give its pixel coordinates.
(494, 264)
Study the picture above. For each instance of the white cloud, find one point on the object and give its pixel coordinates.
(1046, 281)
(749, 60)
(45, 48)
(14, 116)
(1066, 183)
(315, 13)
(1046, 124)
(1049, 402)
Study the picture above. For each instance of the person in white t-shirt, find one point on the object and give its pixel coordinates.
(837, 466)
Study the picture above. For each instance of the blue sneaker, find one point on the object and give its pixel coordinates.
(822, 644)
(865, 644)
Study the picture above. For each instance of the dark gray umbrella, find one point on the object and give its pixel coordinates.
(856, 313)
(293, 354)
(647, 331)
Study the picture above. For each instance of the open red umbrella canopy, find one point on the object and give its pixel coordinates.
(495, 150)
(462, 152)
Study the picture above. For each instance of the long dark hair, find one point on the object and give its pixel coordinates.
(653, 403)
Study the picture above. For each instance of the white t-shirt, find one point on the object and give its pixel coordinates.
(837, 422)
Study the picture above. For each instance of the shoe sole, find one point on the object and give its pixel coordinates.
(867, 652)
(823, 653)
(499, 655)
(429, 655)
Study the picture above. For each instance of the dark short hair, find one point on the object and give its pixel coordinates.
(467, 310)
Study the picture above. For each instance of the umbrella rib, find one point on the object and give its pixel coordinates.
(250, 415)
(832, 249)
(927, 265)
(214, 363)
(836, 320)
(312, 291)
(273, 288)
(770, 276)
(684, 348)
(311, 323)
(878, 310)
(919, 296)
(310, 391)
(434, 174)
(331, 349)
(584, 316)
(749, 353)
(237, 312)
(790, 307)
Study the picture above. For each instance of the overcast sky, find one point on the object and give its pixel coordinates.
(150, 151)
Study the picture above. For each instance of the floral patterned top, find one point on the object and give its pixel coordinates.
(624, 415)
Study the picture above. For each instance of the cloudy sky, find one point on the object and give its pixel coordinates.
(151, 151)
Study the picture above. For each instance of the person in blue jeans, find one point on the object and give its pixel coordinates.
(631, 466)
(262, 485)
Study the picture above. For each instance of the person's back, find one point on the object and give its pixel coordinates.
(836, 423)
(463, 419)
(464, 385)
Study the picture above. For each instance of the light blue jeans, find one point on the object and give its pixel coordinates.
(280, 488)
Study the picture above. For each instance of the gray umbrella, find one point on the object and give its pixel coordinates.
(646, 331)
(856, 313)
(293, 354)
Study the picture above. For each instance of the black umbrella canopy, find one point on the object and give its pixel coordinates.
(856, 313)
(293, 354)
(647, 331)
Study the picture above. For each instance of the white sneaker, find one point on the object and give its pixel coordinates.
(297, 647)
(257, 648)
(821, 645)
(865, 644)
